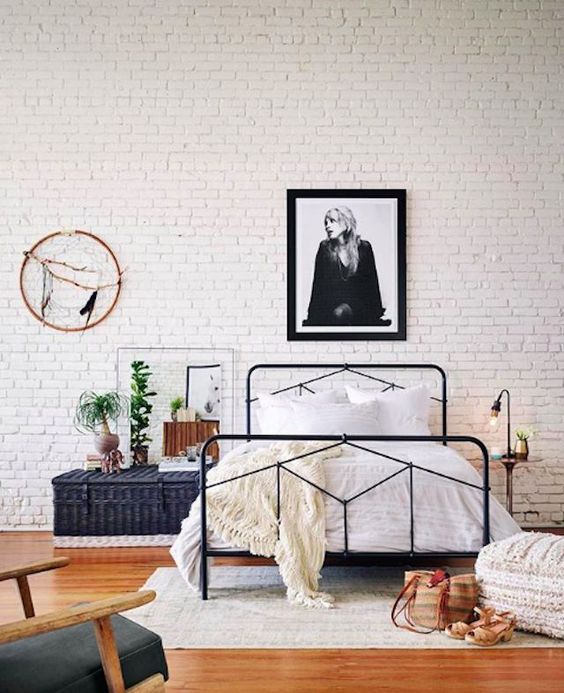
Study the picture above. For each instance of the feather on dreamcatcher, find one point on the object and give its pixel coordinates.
(46, 290)
(88, 307)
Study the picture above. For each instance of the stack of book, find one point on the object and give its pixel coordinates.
(93, 462)
(181, 464)
(178, 464)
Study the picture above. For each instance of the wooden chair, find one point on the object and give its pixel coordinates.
(43, 639)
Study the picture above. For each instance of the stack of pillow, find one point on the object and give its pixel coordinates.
(402, 412)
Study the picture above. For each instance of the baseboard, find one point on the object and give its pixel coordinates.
(31, 528)
(102, 542)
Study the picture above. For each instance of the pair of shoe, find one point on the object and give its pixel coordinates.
(488, 630)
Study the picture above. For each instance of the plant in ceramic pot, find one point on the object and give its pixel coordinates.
(141, 408)
(175, 404)
(94, 412)
(522, 445)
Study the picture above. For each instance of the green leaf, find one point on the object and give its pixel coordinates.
(140, 406)
(95, 410)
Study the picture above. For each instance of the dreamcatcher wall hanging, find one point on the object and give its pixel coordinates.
(70, 280)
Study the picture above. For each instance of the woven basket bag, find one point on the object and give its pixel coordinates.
(429, 601)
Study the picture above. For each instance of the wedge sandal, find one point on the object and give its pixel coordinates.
(459, 629)
(488, 635)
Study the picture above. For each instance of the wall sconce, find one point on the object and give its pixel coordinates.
(494, 413)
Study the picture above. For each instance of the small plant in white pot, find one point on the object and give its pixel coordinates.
(94, 413)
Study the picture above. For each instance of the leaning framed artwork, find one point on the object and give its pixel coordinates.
(203, 390)
(346, 264)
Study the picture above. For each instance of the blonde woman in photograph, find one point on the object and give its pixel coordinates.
(345, 287)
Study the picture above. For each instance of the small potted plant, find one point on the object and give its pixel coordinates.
(522, 445)
(175, 404)
(141, 407)
(93, 415)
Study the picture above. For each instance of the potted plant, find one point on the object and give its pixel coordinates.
(140, 411)
(522, 445)
(175, 404)
(94, 412)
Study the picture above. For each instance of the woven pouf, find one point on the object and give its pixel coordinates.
(525, 574)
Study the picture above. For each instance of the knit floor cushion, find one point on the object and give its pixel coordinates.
(525, 574)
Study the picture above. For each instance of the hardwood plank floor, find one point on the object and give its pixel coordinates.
(97, 573)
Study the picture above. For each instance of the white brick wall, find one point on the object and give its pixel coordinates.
(173, 130)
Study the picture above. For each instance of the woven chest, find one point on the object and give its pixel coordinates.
(138, 501)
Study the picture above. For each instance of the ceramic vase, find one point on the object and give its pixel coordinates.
(106, 442)
(521, 449)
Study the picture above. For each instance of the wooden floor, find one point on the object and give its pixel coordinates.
(96, 573)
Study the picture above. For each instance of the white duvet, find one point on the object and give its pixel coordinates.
(448, 517)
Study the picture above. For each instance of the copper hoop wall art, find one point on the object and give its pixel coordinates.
(70, 280)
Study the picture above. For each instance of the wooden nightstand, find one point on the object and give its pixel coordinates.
(178, 435)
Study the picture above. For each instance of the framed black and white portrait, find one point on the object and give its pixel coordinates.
(346, 264)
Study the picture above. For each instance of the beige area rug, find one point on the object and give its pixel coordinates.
(247, 608)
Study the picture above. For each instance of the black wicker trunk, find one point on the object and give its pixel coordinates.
(137, 501)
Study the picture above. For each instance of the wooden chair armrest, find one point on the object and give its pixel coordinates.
(31, 568)
(73, 615)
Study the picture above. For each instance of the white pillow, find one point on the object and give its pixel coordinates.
(401, 412)
(275, 415)
(334, 419)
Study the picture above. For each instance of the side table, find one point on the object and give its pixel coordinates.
(510, 463)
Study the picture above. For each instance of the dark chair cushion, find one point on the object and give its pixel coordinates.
(68, 661)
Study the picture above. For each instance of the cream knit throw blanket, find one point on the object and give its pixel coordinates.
(243, 513)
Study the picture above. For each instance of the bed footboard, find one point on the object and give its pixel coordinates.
(358, 442)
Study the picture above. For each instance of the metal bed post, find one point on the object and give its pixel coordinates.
(203, 524)
(346, 527)
(278, 499)
(345, 502)
(248, 402)
(444, 400)
(411, 525)
(486, 491)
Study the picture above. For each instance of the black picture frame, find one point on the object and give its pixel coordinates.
(378, 217)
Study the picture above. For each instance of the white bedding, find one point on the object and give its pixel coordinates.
(447, 515)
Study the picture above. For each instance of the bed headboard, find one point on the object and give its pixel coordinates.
(329, 370)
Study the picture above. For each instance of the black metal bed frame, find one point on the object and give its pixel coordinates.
(354, 441)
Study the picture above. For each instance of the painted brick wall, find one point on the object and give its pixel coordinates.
(173, 130)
